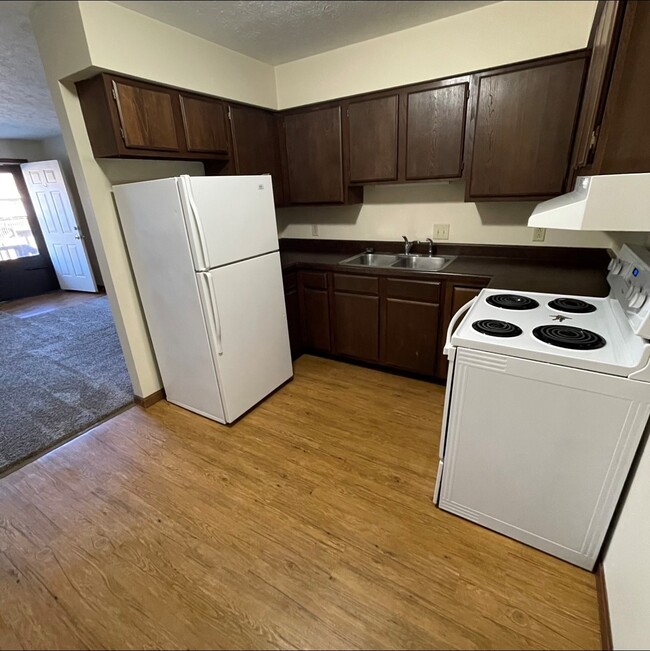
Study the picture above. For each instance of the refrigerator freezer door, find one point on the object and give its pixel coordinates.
(152, 222)
(252, 352)
(229, 218)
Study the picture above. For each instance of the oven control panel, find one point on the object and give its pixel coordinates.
(629, 278)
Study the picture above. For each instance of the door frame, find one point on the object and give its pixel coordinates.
(16, 285)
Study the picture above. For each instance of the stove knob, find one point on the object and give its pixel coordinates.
(630, 292)
(615, 266)
(638, 300)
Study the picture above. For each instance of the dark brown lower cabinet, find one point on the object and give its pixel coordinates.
(355, 320)
(409, 325)
(294, 322)
(410, 335)
(315, 310)
(395, 322)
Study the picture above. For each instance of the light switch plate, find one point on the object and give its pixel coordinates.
(441, 231)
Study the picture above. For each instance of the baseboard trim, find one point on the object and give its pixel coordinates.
(149, 400)
(603, 610)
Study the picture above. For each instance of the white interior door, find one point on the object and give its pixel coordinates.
(56, 216)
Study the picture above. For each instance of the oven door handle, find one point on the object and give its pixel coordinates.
(448, 349)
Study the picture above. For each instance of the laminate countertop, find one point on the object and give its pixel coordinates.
(515, 274)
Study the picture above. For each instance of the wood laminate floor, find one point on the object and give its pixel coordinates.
(307, 524)
(35, 305)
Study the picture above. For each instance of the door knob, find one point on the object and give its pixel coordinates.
(78, 237)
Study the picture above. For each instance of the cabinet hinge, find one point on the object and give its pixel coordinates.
(594, 138)
(114, 91)
(229, 116)
(122, 134)
(347, 112)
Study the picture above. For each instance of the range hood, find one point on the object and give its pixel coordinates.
(610, 202)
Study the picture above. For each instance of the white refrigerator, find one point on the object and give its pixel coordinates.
(204, 252)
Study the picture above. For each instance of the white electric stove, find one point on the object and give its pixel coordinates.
(548, 398)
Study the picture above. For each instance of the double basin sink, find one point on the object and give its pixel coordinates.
(413, 262)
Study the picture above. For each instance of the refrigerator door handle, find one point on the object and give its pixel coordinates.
(198, 236)
(213, 320)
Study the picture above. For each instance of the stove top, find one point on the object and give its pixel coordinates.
(592, 334)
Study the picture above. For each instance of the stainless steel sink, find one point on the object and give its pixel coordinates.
(372, 260)
(393, 261)
(423, 263)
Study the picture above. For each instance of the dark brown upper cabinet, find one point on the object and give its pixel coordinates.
(613, 136)
(314, 157)
(522, 130)
(205, 124)
(256, 145)
(129, 118)
(433, 131)
(372, 138)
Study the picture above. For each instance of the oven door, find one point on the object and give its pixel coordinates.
(540, 452)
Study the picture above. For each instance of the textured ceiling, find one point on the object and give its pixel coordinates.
(277, 32)
(26, 109)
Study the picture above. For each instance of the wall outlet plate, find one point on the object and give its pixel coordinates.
(539, 234)
(441, 231)
(314, 230)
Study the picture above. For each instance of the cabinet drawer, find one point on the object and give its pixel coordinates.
(314, 279)
(356, 284)
(415, 290)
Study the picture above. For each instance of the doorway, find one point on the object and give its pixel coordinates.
(25, 265)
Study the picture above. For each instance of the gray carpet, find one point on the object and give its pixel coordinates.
(60, 373)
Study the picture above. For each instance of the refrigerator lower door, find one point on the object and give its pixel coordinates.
(228, 218)
(245, 310)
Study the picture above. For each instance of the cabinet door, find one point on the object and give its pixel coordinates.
(410, 335)
(409, 324)
(292, 301)
(146, 114)
(256, 145)
(204, 121)
(624, 143)
(372, 139)
(435, 132)
(314, 156)
(355, 319)
(524, 126)
(316, 319)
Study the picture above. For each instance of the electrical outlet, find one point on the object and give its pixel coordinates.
(441, 231)
(314, 230)
(539, 234)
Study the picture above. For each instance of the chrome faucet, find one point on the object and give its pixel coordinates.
(430, 241)
(408, 245)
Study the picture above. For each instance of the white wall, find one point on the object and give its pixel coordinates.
(627, 565)
(76, 39)
(30, 150)
(390, 211)
(493, 35)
